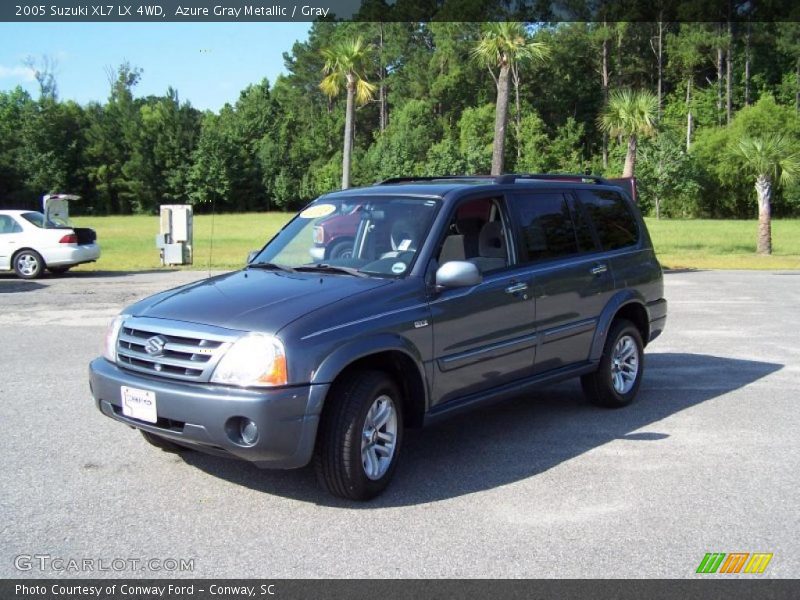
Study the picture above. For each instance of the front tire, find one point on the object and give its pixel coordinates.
(360, 436)
(343, 249)
(28, 264)
(616, 381)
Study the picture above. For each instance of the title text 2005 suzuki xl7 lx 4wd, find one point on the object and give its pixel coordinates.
(456, 291)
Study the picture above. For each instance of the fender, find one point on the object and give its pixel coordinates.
(620, 299)
(345, 355)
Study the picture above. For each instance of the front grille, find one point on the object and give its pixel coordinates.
(183, 355)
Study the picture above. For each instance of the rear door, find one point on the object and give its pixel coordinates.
(570, 285)
(10, 232)
(483, 335)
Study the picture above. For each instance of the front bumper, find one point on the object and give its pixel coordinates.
(195, 415)
(317, 253)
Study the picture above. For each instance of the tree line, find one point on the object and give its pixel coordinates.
(434, 98)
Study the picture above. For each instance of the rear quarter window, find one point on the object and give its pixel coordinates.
(612, 218)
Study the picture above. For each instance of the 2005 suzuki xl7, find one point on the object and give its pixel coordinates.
(454, 291)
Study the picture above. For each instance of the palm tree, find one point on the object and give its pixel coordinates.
(771, 159)
(503, 46)
(346, 63)
(633, 114)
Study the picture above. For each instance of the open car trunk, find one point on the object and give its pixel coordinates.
(85, 235)
(56, 211)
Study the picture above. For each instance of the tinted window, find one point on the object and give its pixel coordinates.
(583, 232)
(612, 218)
(546, 226)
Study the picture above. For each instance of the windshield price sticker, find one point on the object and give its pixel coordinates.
(317, 211)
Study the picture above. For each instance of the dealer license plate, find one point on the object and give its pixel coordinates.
(139, 404)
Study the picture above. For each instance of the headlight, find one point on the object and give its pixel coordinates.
(253, 360)
(112, 333)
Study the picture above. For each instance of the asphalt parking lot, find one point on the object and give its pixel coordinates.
(543, 486)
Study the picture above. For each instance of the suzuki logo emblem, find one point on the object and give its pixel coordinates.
(155, 345)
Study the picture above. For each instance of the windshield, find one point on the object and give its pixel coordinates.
(38, 219)
(360, 235)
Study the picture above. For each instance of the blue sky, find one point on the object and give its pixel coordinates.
(208, 63)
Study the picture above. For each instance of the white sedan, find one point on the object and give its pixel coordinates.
(29, 244)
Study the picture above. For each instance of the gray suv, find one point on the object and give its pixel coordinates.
(456, 291)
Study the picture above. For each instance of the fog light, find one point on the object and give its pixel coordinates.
(248, 431)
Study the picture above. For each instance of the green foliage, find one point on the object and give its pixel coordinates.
(279, 145)
(770, 155)
(507, 43)
(403, 148)
(346, 63)
(668, 178)
(629, 112)
(476, 129)
(533, 145)
(728, 182)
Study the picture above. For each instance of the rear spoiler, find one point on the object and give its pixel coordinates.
(628, 184)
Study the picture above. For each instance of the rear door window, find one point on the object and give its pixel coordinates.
(612, 218)
(9, 225)
(547, 226)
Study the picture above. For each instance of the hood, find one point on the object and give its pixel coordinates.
(253, 299)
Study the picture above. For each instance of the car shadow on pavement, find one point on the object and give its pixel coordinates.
(18, 285)
(518, 439)
(103, 274)
(10, 279)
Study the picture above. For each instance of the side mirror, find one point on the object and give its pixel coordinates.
(251, 255)
(457, 273)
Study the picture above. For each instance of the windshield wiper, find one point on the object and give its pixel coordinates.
(270, 267)
(332, 269)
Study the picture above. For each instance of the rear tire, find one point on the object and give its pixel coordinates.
(360, 436)
(28, 264)
(161, 443)
(616, 381)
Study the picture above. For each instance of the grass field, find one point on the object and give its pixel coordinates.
(128, 243)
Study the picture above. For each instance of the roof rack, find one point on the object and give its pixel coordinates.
(513, 177)
(502, 179)
(411, 179)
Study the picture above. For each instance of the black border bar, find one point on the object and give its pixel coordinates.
(705, 588)
(129, 11)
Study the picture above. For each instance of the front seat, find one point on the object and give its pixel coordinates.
(491, 248)
(403, 238)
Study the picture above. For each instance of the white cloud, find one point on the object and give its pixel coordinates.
(24, 73)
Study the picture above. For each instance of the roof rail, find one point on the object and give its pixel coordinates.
(513, 177)
(501, 179)
(392, 180)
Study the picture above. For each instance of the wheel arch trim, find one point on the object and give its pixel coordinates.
(349, 354)
(619, 301)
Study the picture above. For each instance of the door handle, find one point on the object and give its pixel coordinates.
(598, 269)
(515, 288)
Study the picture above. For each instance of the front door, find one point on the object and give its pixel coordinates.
(483, 335)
